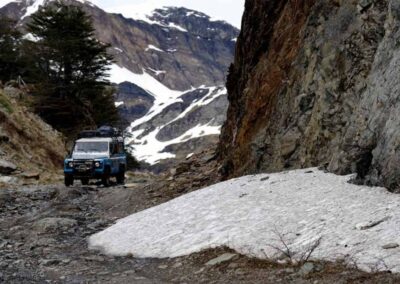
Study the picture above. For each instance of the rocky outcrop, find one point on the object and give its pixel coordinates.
(314, 84)
(7, 167)
(30, 150)
(133, 102)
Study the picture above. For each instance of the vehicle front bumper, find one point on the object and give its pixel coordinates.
(84, 170)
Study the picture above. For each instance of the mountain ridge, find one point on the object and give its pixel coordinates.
(176, 51)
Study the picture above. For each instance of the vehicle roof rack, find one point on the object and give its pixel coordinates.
(103, 131)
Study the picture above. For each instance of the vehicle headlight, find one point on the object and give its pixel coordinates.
(97, 164)
(70, 164)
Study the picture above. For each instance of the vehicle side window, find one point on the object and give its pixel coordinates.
(113, 148)
(120, 148)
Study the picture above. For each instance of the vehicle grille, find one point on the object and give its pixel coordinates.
(83, 167)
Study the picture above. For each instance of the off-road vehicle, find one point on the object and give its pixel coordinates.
(98, 154)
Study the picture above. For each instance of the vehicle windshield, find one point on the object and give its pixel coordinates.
(91, 147)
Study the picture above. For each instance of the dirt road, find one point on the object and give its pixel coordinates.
(43, 232)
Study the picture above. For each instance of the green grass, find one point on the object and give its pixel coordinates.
(5, 103)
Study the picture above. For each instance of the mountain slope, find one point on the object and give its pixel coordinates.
(36, 150)
(315, 84)
(159, 58)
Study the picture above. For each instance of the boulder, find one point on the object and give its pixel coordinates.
(307, 268)
(31, 175)
(8, 180)
(391, 246)
(221, 259)
(7, 167)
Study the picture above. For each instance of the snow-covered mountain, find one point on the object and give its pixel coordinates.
(171, 66)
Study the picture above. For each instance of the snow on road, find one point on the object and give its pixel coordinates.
(248, 214)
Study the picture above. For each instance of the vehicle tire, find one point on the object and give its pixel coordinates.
(121, 177)
(68, 180)
(85, 181)
(105, 180)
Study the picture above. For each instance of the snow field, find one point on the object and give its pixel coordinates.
(250, 214)
(148, 148)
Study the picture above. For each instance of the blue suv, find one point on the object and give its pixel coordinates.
(97, 155)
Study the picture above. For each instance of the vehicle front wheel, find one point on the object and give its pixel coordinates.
(105, 180)
(68, 180)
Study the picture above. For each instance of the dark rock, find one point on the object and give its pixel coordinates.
(391, 246)
(4, 138)
(49, 262)
(7, 167)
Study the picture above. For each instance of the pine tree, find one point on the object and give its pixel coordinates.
(10, 42)
(74, 66)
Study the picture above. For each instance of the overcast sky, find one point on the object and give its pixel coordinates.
(228, 10)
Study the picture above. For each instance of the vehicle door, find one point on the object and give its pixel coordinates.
(114, 157)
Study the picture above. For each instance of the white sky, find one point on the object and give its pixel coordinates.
(228, 10)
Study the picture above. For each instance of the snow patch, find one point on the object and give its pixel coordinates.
(118, 104)
(35, 6)
(196, 14)
(151, 150)
(246, 213)
(156, 72)
(31, 37)
(145, 81)
(163, 96)
(213, 93)
(152, 47)
(175, 26)
(143, 12)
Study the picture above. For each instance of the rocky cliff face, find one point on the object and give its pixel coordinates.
(166, 62)
(314, 83)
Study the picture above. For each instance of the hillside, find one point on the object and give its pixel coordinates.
(315, 84)
(30, 150)
(164, 60)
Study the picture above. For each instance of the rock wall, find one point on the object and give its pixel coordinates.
(314, 83)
